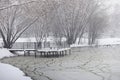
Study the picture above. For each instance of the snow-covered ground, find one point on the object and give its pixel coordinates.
(109, 41)
(8, 72)
(84, 41)
(102, 63)
(99, 42)
(32, 39)
(5, 53)
(83, 64)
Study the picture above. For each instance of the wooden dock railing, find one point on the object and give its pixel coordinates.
(43, 52)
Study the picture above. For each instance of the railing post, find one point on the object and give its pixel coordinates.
(35, 47)
(69, 51)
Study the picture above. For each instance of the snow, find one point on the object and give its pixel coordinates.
(79, 45)
(54, 49)
(109, 57)
(85, 64)
(21, 51)
(5, 53)
(99, 42)
(8, 72)
(109, 41)
(71, 75)
(84, 41)
(33, 39)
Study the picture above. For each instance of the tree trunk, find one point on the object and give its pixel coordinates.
(8, 46)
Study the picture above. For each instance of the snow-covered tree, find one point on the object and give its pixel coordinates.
(73, 17)
(13, 23)
(97, 24)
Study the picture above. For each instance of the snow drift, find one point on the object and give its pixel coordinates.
(5, 53)
(8, 72)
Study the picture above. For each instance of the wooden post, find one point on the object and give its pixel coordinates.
(65, 52)
(23, 49)
(35, 47)
(24, 52)
(44, 53)
(47, 53)
(28, 53)
(60, 53)
(69, 51)
(53, 54)
(57, 54)
(40, 54)
(35, 53)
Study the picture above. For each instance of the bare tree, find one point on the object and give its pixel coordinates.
(13, 23)
(96, 28)
(40, 32)
(72, 18)
(16, 3)
(97, 23)
(43, 25)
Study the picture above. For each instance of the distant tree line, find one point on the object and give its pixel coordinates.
(71, 19)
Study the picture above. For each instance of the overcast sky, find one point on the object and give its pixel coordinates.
(110, 4)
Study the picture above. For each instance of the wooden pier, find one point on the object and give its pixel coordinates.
(44, 52)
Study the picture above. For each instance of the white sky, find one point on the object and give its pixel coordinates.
(110, 4)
